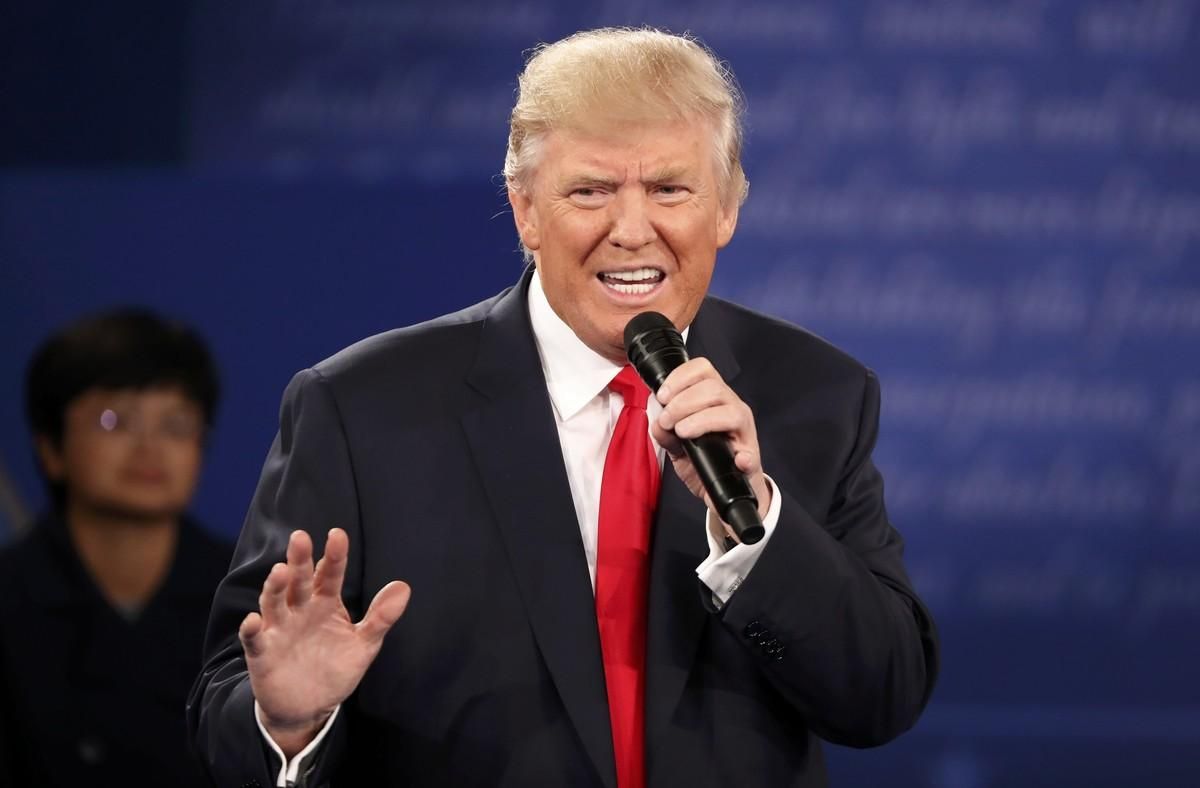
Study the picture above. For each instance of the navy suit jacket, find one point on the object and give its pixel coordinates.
(435, 447)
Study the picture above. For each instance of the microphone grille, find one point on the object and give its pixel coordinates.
(646, 321)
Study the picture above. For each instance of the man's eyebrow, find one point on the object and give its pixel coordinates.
(665, 174)
(590, 179)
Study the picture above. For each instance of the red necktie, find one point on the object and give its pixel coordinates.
(628, 497)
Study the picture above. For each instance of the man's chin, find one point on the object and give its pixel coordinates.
(609, 343)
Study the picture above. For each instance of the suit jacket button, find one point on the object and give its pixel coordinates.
(772, 647)
(753, 629)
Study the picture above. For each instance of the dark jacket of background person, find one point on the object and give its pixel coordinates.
(89, 697)
(435, 447)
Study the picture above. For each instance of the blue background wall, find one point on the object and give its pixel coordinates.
(995, 205)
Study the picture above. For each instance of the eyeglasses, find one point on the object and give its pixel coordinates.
(180, 427)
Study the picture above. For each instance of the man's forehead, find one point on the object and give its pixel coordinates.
(646, 154)
(617, 132)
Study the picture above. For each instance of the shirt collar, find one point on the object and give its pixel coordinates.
(574, 372)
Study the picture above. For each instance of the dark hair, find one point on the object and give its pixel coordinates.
(129, 348)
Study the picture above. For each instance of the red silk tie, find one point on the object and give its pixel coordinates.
(628, 497)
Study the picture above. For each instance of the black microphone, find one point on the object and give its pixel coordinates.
(655, 348)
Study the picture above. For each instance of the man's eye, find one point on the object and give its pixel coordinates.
(588, 195)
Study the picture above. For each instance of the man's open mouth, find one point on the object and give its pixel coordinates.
(636, 282)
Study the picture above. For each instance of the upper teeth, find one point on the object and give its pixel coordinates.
(634, 276)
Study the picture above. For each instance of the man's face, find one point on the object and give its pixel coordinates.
(128, 453)
(623, 222)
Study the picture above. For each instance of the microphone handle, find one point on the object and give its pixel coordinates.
(727, 486)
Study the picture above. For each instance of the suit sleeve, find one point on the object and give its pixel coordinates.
(307, 483)
(829, 612)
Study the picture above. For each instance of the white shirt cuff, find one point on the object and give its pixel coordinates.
(725, 570)
(290, 771)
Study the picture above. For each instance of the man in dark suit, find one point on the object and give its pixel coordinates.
(472, 456)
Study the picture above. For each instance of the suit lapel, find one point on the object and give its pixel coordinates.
(677, 615)
(515, 444)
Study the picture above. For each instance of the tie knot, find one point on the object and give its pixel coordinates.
(630, 387)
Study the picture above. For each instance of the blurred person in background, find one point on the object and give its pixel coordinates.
(103, 603)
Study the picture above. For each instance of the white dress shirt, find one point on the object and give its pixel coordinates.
(586, 413)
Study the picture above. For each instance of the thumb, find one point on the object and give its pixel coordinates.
(248, 632)
(385, 610)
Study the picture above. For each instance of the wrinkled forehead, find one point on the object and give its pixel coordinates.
(616, 141)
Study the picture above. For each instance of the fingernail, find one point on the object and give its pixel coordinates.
(663, 394)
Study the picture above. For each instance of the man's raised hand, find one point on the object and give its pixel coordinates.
(304, 654)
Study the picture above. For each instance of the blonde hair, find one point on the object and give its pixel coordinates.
(622, 74)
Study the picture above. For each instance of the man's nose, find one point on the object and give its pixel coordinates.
(631, 226)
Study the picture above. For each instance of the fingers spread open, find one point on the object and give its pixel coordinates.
(273, 599)
(386, 608)
(299, 559)
(331, 569)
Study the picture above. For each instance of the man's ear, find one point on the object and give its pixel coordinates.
(726, 223)
(525, 216)
(50, 456)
